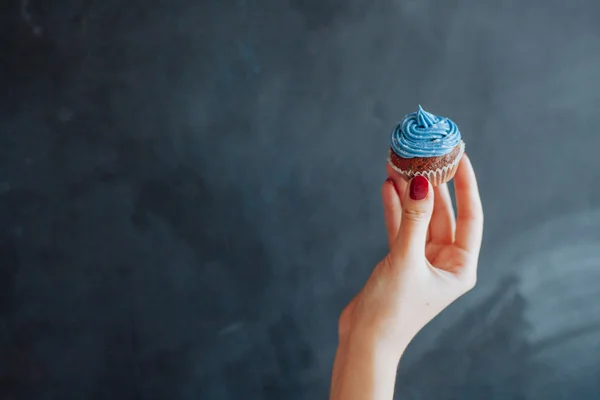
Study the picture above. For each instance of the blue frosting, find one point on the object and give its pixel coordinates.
(422, 134)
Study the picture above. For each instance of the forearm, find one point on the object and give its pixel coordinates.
(364, 369)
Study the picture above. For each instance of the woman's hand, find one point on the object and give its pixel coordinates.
(432, 261)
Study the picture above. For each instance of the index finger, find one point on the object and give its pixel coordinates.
(469, 221)
(399, 182)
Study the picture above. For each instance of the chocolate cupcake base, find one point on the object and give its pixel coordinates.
(437, 170)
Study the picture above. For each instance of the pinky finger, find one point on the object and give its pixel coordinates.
(469, 222)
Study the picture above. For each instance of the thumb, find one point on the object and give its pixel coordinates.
(416, 214)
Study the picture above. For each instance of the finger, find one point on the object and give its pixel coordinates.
(399, 181)
(416, 214)
(392, 210)
(442, 226)
(469, 222)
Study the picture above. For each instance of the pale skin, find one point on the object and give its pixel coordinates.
(432, 261)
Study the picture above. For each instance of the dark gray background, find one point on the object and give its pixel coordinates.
(189, 193)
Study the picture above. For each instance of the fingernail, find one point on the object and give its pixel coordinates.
(419, 186)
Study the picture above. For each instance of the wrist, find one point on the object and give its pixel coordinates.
(383, 349)
(386, 339)
(365, 368)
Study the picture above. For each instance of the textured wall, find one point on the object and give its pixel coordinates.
(189, 192)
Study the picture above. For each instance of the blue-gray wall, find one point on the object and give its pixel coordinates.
(189, 192)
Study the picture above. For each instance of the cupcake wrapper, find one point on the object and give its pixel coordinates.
(435, 177)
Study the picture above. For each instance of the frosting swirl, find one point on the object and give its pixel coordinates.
(422, 134)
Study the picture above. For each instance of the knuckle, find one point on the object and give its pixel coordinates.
(479, 212)
(345, 320)
(416, 215)
(387, 264)
(470, 217)
(470, 282)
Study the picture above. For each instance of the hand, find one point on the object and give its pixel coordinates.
(432, 261)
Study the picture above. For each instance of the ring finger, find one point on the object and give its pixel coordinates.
(443, 222)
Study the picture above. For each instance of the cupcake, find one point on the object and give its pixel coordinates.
(427, 145)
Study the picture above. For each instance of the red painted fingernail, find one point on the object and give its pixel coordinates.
(419, 186)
